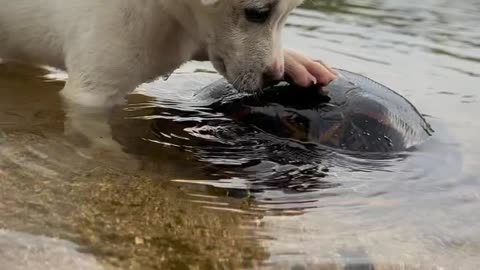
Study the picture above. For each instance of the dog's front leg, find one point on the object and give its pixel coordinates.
(201, 55)
(100, 88)
(90, 131)
(93, 89)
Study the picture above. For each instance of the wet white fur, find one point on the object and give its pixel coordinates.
(110, 47)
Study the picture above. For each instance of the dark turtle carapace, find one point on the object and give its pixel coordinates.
(357, 115)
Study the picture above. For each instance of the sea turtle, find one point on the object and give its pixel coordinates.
(358, 114)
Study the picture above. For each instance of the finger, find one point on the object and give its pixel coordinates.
(330, 68)
(320, 72)
(298, 72)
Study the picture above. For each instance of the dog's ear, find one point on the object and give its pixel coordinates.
(209, 2)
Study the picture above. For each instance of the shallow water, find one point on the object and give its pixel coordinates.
(182, 187)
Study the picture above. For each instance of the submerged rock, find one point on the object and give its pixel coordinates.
(22, 251)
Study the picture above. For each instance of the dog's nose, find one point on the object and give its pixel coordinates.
(275, 72)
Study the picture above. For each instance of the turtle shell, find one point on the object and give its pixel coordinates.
(359, 114)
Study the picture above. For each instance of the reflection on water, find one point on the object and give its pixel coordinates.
(181, 185)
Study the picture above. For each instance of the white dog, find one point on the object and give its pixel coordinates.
(110, 47)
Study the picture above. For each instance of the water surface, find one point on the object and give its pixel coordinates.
(178, 186)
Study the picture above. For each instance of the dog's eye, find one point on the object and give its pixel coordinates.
(257, 15)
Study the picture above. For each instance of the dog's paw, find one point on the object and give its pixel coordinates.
(306, 72)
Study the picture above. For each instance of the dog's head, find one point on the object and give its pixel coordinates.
(243, 38)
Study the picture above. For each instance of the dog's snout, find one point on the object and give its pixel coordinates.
(274, 72)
